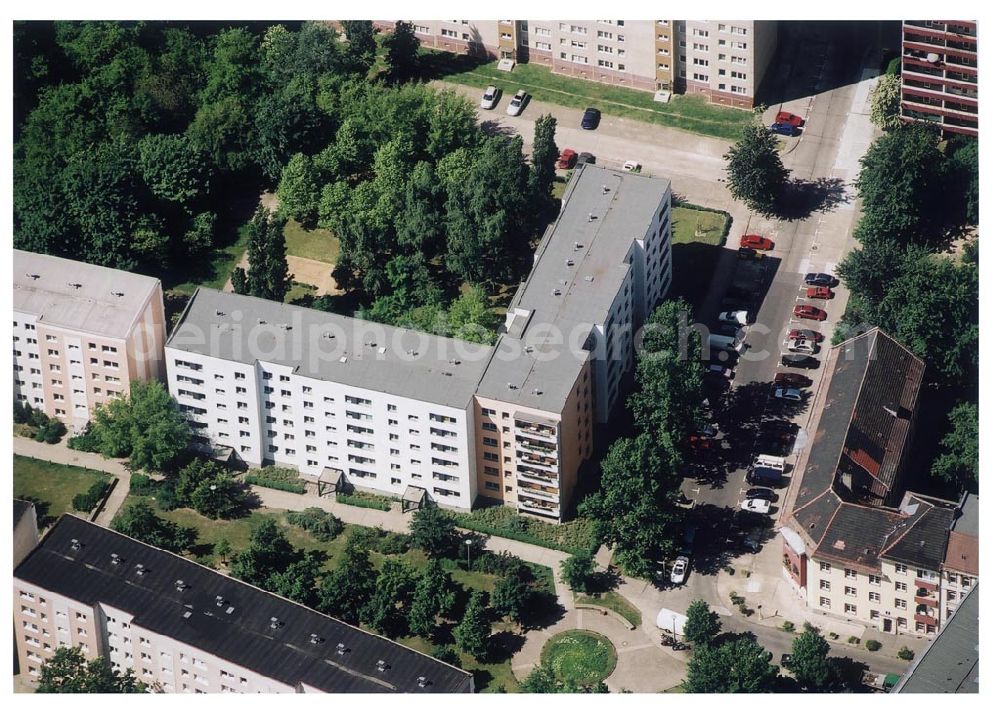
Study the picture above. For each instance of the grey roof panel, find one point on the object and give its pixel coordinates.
(950, 664)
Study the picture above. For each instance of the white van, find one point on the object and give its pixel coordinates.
(771, 462)
(724, 342)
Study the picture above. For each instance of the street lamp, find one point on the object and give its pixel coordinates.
(468, 554)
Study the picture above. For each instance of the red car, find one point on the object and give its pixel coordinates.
(819, 293)
(699, 442)
(787, 117)
(809, 312)
(756, 242)
(567, 159)
(801, 334)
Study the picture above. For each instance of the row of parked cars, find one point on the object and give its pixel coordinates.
(491, 97)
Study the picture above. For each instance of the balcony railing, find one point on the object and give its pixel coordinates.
(539, 508)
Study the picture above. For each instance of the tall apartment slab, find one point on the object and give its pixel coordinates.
(940, 75)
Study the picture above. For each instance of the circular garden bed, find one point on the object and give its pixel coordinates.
(580, 656)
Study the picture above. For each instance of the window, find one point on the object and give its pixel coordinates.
(848, 573)
(850, 591)
(850, 609)
(824, 567)
(901, 587)
(700, 77)
(874, 597)
(824, 584)
(449, 33)
(874, 580)
(824, 602)
(901, 604)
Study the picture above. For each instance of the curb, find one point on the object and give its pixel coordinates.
(605, 611)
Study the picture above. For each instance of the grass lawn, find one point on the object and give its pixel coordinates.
(52, 486)
(701, 226)
(686, 112)
(489, 676)
(299, 291)
(581, 656)
(614, 602)
(697, 244)
(316, 244)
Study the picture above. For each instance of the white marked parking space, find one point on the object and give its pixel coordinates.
(804, 266)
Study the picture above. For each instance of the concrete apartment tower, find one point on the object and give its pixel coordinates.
(940, 75)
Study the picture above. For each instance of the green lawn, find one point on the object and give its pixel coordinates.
(52, 486)
(581, 656)
(686, 112)
(698, 239)
(614, 602)
(489, 676)
(702, 226)
(316, 244)
(299, 291)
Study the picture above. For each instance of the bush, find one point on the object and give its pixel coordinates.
(87, 501)
(872, 645)
(905, 653)
(446, 654)
(893, 66)
(141, 484)
(365, 538)
(394, 544)
(322, 525)
(277, 478)
(365, 500)
(788, 626)
(577, 572)
(50, 432)
(574, 536)
(167, 497)
(84, 442)
(834, 636)
(853, 640)
(493, 563)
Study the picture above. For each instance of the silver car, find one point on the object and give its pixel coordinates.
(678, 573)
(517, 103)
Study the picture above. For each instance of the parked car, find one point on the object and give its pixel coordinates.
(756, 242)
(819, 293)
(804, 334)
(809, 312)
(632, 166)
(586, 157)
(761, 493)
(490, 98)
(591, 119)
(699, 442)
(708, 430)
(797, 360)
(735, 317)
(761, 507)
(567, 159)
(820, 279)
(802, 346)
(517, 103)
(789, 119)
(791, 380)
(788, 393)
(678, 573)
(722, 371)
(751, 544)
(783, 129)
(748, 254)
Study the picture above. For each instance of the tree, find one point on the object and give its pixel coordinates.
(809, 662)
(268, 554)
(542, 173)
(267, 274)
(434, 596)
(433, 531)
(702, 623)
(239, 280)
(542, 679)
(297, 582)
(512, 594)
(401, 52)
(298, 191)
(361, 47)
(473, 633)
(755, 173)
(223, 549)
(885, 102)
(387, 608)
(452, 123)
(633, 511)
(200, 236)
(173, 168)
(68, 671)
(221, 497)
(958, 462)
(471, 318)
(963, 168)
(350, 587)
(577, 571)
(736, 666)
(139, 521)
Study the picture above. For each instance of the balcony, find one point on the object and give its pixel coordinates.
(537, 474)
(926, 586)
(925, 600)
(536, 447)
(538, 460)
(926, 619)
(535, 429)
(537, 494)
(538, 508)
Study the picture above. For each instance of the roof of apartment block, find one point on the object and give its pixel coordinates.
(330, 347)
(967, 517)
(963, 554)
(78, 296)
(868, 393)
(20, 508)
(950, 664)
(229, 619)
(579, 268)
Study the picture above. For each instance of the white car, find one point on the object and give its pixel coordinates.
(678, 573)
(517, 103)
(801, 345)
(759, 506)
(632, 166)
(735, 317)
(788, 393)
(490, 98)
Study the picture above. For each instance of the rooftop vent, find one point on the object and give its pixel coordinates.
(118, 293)
(75, 285)
(229, 610)
(588, 278)
(33, 276)
(591, 217)
(421, 681)
(275, 623)
(381, 351)
(329, 335)
(219, 601)
(220, 313)
(140, 569)
(115, 558)
(261, 321)
(556, 291)
(75, 544)
(179, 584)
(341, 648)
(286, 326)
(315, 639)
(578, 245)
(343, 359)
(511, 386)
(570, 263)
(529, 348)
(381, 666)
(187, 614)
(536, 391)
(605, 189)
(446, 372)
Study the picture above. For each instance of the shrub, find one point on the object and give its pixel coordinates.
(853, 640)
(809, 627)
(322, 525)
(394, 544)
(141, 484)
(493, 563)
(87, 501)
(277, 478)
(365, 500)
(834, 636)
(905, 653)
(167, 497)
(51, 432)
(872, 645)
(84, 442)
(365, 538)
(446, 654)
(574, 536)
(788, 626)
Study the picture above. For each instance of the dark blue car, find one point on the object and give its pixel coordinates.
(591, 119)
(783, 129)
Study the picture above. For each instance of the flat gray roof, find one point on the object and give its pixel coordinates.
(332, 347)
(78, 296)
(950, 664)
(967, 518)
(603, 212)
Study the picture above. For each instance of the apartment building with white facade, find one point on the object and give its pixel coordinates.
(184, 628)
(567, 349)
(389, 408)
(724, 60)
(82, 333)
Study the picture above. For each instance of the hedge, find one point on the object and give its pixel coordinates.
(277, 478)
(321, 525)
(141, 484)
(575, 536)
(365, 500)
(87, 501)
